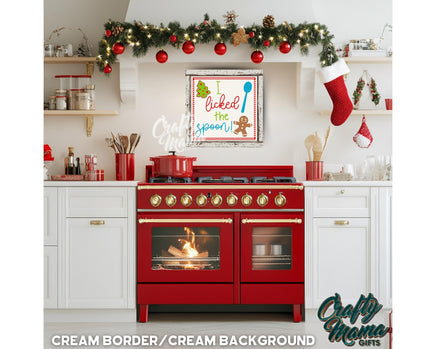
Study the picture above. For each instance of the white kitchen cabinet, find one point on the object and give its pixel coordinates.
(95, 263)
(50, 216)
(347, 241)
(91, 265)
(50, 277)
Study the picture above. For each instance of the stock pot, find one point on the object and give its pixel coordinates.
(173, 165)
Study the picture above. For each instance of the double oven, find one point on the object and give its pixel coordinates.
(221, 242)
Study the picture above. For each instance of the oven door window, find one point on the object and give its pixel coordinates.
(185, 248)
(272, 248)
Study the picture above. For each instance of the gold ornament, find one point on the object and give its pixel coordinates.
(268, 21)
(239, 37)
(117, 30)
(230, 17)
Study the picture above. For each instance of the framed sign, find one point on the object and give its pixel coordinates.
(225, 107)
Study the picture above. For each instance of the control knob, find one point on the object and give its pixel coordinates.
(186, 200)
(262, 200)
(280, 200)
(201, 200)
(232, 200)
(155, 200)
(246, 200)
(217, 200)
(170, 200)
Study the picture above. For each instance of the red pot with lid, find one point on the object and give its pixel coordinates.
(173, 165)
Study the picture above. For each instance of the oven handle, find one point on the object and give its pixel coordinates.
(184, 220)
(289, 220)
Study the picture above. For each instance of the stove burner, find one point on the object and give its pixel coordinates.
(170, 180)
(273, 180)
(223, 179)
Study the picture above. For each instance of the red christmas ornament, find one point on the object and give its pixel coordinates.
(257, 57)
(220, 48)
(251, 34)
(188, 47)
(108, 33)
(161, 56)
(107, 69)
(285, 47)
(266, 43)
(118, 48)
(173, 38)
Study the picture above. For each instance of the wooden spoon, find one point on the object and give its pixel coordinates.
(110, 143)
(117, 145)
(308, 143)
(136, 143)
(132, 141)
(317, 147)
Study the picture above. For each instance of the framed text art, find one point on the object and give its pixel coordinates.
(225, 108)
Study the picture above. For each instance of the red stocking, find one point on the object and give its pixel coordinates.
(332, 77)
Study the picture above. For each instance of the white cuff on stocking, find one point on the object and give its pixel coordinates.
(333, 71)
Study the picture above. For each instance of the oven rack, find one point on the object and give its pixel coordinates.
(187, 259)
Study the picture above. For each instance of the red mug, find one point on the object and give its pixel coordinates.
(125, 167)
(314, 170)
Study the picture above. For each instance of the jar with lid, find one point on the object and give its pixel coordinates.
(61, 102)
(60, 92)
(82, 81)
(65, 82)
(83, 101)
(52, 103)
(90, 88)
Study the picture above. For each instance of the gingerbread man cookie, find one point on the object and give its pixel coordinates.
(242, 126)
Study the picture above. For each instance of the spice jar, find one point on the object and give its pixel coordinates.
(61, 102)
(82, 101)
(60, 92)
(52, 103)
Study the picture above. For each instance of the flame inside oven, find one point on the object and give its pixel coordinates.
(189, 246)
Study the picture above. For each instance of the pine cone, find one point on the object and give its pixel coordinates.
(117, 30)
(230, 17)
(268, 22)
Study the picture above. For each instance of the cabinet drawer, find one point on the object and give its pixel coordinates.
(341, 202)
(96, 202)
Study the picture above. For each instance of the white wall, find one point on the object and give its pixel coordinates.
(161, 91)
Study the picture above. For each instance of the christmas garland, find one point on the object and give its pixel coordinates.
(375, 96)
(141, 37)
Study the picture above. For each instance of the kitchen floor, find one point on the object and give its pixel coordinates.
(202, 325)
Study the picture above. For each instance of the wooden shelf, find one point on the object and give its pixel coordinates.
(89, 61)
(89, 114)
(366, 60)
(361, 112)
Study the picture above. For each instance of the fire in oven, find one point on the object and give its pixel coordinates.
(187, 248)
(214, 241)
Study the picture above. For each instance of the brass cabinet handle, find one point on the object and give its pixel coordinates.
(184, 220)
(97, 222)
(248, 220)
(342, 222)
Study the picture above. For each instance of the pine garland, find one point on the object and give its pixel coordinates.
(375, 95)
(141, 37)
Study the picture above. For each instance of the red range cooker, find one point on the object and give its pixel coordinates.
(226, 235)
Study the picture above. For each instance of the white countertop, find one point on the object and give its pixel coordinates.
(90, 183)
(347, 183)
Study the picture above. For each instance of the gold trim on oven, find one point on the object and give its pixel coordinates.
(223, 186)
(254, 220)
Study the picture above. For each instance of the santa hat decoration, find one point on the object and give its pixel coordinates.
(363, 137)
(333, 80)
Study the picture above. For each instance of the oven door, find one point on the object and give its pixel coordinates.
(185, 247)
(272, 247)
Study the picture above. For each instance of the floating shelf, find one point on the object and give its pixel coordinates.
(365, 60)
(361, 112)
(89, 114)
(89, 61)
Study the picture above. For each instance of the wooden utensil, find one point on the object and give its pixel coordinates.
(132, 141)
(326, 138)
(117, 145)
(124, 142)
(308, 143)
(136, 143)
(317, 147)
(110, 143)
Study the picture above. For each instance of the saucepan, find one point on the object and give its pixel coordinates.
(173, 165)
